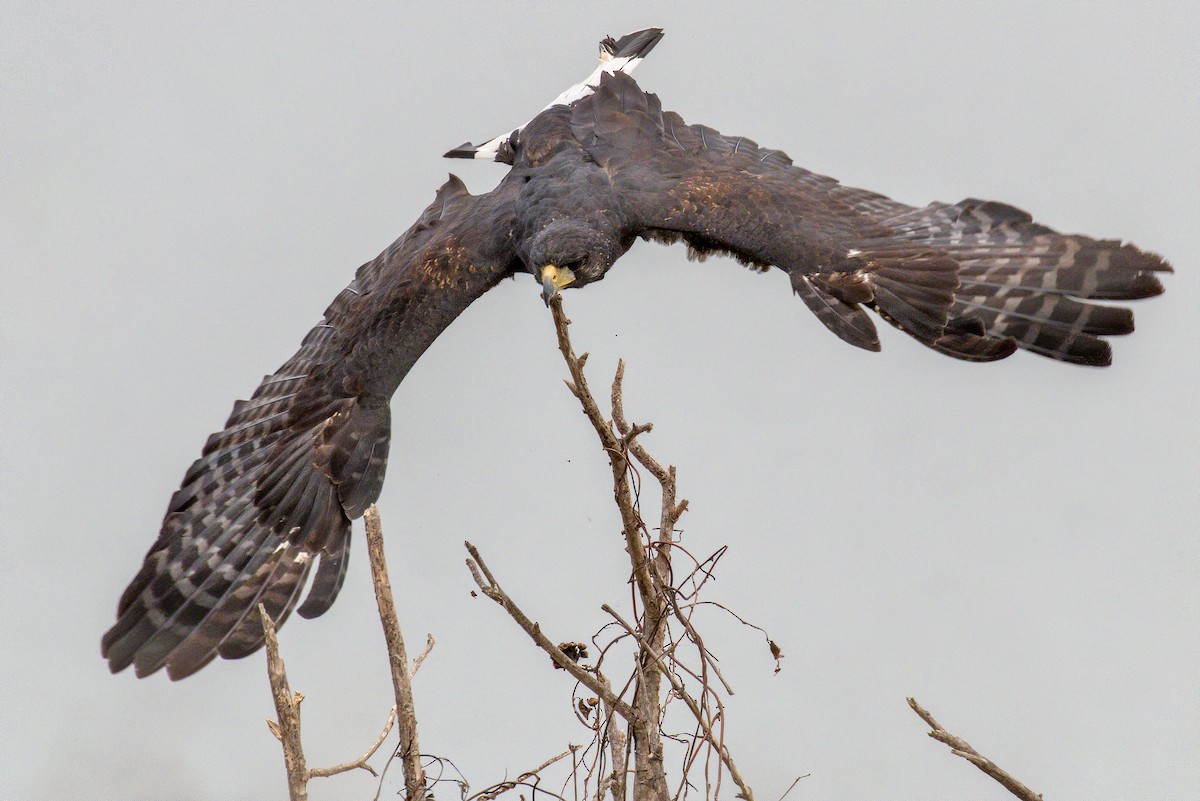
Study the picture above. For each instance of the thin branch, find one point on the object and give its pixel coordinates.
(704, 654)
(406, 718)
(420, 660)
(617, 752)
(361, 762)
(492, 589)
(287, 707)
(696, 711)
(960, 747)
(793, 785)
(500, 788)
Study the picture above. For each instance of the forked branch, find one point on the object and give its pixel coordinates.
(650, 558)
(287, 704)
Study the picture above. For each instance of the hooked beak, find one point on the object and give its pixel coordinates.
(553, 279)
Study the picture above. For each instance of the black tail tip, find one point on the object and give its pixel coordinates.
(464, 151)
(632, 45)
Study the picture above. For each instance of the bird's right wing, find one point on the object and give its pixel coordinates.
(274, 492)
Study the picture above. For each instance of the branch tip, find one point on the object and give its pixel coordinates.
(961, 748)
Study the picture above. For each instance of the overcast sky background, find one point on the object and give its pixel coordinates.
(183, 191)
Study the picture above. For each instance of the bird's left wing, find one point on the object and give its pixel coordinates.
(975, 280)
(274, 492)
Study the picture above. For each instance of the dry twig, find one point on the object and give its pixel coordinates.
(657, 602)
(652, 571)
(361, 762)
(409, 750)
(492, 589)
(960, 747)
(649, 775)
(697, 712)
(529, 778)
(287, 707)
(613, 445)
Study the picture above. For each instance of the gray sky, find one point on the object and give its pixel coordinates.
(184, 190)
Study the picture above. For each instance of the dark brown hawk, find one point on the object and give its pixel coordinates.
(273, 494)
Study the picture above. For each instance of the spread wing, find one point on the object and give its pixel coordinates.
(274, 492)
(975, 280)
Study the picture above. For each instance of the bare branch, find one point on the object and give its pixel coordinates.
(420, 660)
(492, 589)
(960, 747)
(650, 576)
(409, 750)
(697, 712)
(792, 786)
(529, 778)
(696, 638)
(287, 707)
(614, 782)
(361, 762)
(613, 446)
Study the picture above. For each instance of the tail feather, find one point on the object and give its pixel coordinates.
(621, 55)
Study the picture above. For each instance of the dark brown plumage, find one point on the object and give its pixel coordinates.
(273, 494)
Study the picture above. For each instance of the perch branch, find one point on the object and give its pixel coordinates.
(960, 747)
(613, 445)
(409, 750)
(651, 574)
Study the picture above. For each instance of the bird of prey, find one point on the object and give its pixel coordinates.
(273, 493)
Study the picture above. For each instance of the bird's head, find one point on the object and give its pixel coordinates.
(570, 252)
